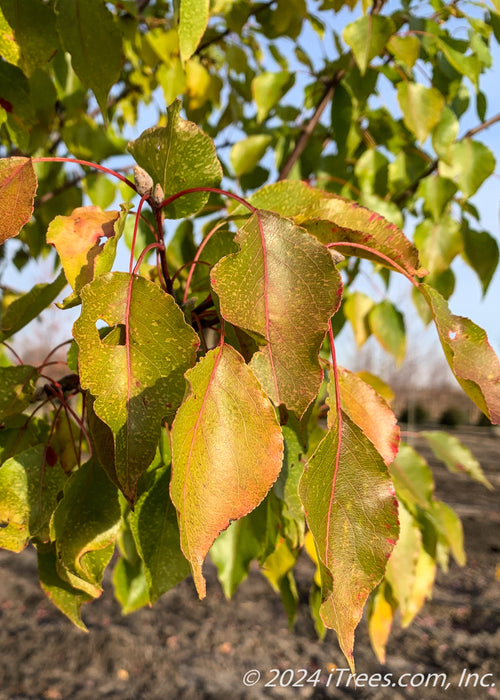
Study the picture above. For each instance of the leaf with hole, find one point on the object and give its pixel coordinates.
(135, 373)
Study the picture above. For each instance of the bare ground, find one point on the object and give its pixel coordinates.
(192, 650)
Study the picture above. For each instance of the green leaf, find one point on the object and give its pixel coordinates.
(34, 25)
(237, 546)
(178, 156)
(351, 511)
(30, 305)
(17, 386)
(481, 253)
(285, 488)
(437, 193)
(357, 307)
(89, 140)
(220, 244)
(18, 186)
(130, 585)
(402, 566)
(367, 37)
(262, 289)
(193, 19)
(387, 325)
(68, 599)
(9, 49)
(84, 527)
(278, 569)
(469, 354)
(470, 66)
(371, 171)
(444, 135)
(89, 34)
(471, 164)
(342, 111)
(406, 49)
(457, 457)
(421, 107)
(21, 432)
(77, 239)
(17, 105)
(370, 412)
(154, 525)
(268, 89)
(439, 242)
(450, 527)
(412, 478)
(136, 373)
(246, 155)
(29, 489)
(332, 219)
(227, 450)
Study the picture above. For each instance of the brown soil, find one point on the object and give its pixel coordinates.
(184, 648)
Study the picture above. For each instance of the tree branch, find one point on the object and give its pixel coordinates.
(308, 129)
(330, 87)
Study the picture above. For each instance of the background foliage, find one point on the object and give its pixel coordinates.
(369, 108)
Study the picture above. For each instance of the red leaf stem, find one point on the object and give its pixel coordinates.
(344, 244)
(151, 246)
(9, 347)
(338, 410)
(60, 345)
(136, 226)
(96, 166)
(197, 256)
(215, 190)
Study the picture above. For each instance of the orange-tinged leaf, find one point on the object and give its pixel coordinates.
(332, 218)
(352, 513)
(370, 412)
(227, 451)
(469, 354)
(18, 185)
(283, 286)
(77, 240)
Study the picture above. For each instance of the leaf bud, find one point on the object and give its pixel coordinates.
(143, 181)
(158, 194)
(337, 257)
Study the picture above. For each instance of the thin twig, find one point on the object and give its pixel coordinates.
(327, 96)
